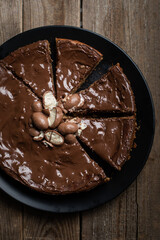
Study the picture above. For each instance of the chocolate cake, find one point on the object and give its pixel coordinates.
(112, 93)
(33, 65)
(41, 145)
(57, 170)
(75, 61)
(110, 138)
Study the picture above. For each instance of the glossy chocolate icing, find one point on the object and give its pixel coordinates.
(33, 65)
(111, 93)
(26, 74)
(110, 138)
(57, 170)
(75, 61)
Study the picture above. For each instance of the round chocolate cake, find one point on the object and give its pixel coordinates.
(46, 123)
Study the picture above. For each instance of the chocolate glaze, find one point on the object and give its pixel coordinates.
(33, 65)
(57, 170)
(110, 138)
(76, 60)
(111, 93)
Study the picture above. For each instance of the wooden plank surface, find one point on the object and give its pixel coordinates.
(134, 26)
(135, 214)
(50, 12)
(40, 225)
(10, 19)
(148, 184)
(11, 221)
(10, 210)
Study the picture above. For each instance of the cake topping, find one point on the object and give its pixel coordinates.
(58, 117)
(81, 127)
(40, 121)
(37, 106)
(74, 120)
(47, 144)
(49, 100)
(39, 137)
(70, 138)
(33, 132)
(52, 117)
(49, 117)
(55, 114)
(46, 112)
(54, 137)
(72, 101)
(67, 127)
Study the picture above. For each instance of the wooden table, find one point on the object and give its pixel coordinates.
(134, 26)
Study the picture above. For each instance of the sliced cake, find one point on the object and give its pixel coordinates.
(110, 138)
(33, 65)
(75, 61)
(112, 93)
(58, 170)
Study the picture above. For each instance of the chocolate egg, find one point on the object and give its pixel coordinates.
(72, 101)
(67, 127)
(40, 120)
(70, 138)
(37, 106)
(54, 137)
(46, 112)
(59, 116)
(33, 132)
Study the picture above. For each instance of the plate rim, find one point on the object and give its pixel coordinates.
(13, 195)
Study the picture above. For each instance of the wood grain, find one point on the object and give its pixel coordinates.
(11, 221)
(135, 214)
(148, 184)
(10, 210)
(51, 12)
(48, 226)
(40, 225)
(10, 19)
(134, 26)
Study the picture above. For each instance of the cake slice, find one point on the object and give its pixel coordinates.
(68, 169)
(75, 61)
(57, 170)
(112, 93)
(33, 65)
(110, 138)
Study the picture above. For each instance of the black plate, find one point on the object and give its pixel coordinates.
(145, 118)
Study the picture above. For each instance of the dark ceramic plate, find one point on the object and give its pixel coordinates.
(145, 118)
